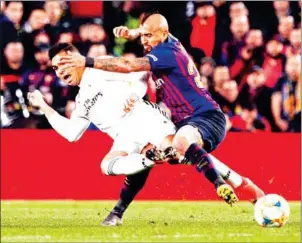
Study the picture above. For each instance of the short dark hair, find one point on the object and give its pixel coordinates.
(57, 48)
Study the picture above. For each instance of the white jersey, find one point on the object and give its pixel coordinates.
(101, 100)
(103, 95)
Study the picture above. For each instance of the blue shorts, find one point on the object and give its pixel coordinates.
(210, 124)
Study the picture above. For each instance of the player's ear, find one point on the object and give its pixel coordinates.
(165, 34)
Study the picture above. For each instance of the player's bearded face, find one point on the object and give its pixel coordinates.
(150, 40)
(69, 75)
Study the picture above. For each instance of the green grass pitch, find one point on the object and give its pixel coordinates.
(145, 221)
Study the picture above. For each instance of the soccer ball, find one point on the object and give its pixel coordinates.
(271, 210)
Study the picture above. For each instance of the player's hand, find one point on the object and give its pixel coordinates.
(36, 99)
(72, 60)
(124, 32)
(283, 125)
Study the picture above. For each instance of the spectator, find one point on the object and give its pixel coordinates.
(230, 49)
(229, 92)
(37, 20)
(12, 65)
(224, 91)
(273, 63)
(41, 37)
(65, 37)
(295, 43)
(286, 98)
(204, 24)
(35, 23)
(282, 8)
(92, 33)
(83, 44)
(10, 23)
(12, 94)
(13, 13)
(66, 33)
(222, 28)
(96, 32)
(250, 54)
(55, 11)
(255, 93)
(285, 27)
(97, 50)
(238, 9)
(249, 120)
(221, 75)
(239, 27)
(207, 67)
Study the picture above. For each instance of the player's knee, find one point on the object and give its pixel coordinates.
(180, 143)
(186, 136)
(105, 166)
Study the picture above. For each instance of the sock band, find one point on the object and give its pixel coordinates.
(227, 175)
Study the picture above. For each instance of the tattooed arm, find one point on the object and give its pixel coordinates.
(117, 64)
(123, 65)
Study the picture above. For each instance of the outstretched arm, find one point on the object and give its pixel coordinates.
(71, 129)
(117, 64)
(123, 65)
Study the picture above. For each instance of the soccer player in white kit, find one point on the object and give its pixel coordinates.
(132, 127)
(104, 104)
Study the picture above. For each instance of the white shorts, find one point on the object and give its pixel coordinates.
(147, 123)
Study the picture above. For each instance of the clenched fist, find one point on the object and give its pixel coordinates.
(124, 32)
(36, 99)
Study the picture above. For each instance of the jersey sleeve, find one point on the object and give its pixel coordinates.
(161, 58)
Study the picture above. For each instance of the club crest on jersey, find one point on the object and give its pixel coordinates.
(158, 83)
(89, 103)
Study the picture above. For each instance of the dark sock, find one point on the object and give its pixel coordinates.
(203, 163)
(132, 185)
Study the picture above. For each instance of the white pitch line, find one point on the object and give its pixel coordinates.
(25, 237)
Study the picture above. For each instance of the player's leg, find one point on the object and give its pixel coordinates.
(118, 162)
(242, 184)
(190, 144)
(199, 135)
(132, 185)
(142, 130)
(124, 159)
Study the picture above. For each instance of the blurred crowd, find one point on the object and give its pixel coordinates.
(248, 54)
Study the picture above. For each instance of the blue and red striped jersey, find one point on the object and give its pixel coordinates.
(179, 80)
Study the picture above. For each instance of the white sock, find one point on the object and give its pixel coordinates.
(233, 178)
(126, 165)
